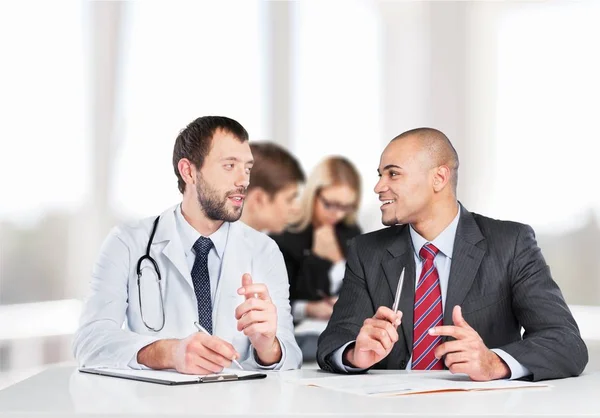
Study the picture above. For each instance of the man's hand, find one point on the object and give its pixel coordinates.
(468, 354)
(332, 300)
(257, 319)
(325, 244)
(197, 354)
(375, 339)
(321, 309)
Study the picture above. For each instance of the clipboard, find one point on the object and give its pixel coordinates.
(171, 377)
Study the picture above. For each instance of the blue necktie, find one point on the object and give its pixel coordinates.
(201, 280)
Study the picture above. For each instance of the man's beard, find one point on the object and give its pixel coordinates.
(213, 206)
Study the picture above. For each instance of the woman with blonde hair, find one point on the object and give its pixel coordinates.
(315, 248)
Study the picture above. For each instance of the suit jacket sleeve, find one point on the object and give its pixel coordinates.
(100, 339)
(352, 308)
(552, 346)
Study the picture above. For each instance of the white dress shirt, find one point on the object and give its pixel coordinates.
(189, 236)
(444, 242)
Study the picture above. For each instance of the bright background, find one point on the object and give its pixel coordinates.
(93, 94)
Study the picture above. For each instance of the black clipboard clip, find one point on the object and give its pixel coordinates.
(218, 378)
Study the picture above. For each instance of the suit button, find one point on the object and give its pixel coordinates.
(403, 364)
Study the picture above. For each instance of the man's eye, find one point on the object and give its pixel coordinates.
(393, 174)
(228, 166)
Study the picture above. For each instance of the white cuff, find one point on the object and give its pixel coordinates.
(339, 363)
(336, 276)
(517, 370)
(299, 310)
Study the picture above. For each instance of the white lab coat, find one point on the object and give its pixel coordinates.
(111, 331)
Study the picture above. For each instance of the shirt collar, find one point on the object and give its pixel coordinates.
(189, 235)
(444, 241)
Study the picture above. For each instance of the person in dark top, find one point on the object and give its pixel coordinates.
(315, 248)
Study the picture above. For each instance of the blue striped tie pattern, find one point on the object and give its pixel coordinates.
(201, 280)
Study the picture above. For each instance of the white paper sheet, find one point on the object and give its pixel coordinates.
(374, 384)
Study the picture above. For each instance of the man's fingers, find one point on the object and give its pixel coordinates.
(381, 335)
(449, 331)
(449, 347)
(384, 325)
(193, 368)
(257, 328)
(458, 319)
(256, 290)
(460, 368)
(252, 304)
(453, 358)
(369, 344)
(246, 279)
(252, 317)
(206, 364)
(196, 359)
(215, 358)
(386, 313)
(219, 346)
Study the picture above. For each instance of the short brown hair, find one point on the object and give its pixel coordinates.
(195, 140)
(274, 168)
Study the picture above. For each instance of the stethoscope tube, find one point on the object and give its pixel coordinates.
(148, 257)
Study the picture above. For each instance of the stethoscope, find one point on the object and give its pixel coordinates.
(148, 257)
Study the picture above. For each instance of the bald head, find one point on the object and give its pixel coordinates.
(436, 149)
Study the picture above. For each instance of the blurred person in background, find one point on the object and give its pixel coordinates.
(315, 248)
(272, 198)
(155, 277)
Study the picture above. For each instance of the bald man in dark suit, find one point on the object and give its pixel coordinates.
(471, 283)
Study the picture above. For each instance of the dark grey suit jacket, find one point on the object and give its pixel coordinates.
(498, 276)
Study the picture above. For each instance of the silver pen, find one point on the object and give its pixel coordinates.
(202, 329)
(398, 292)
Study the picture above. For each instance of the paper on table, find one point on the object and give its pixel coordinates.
(373, 384)
(170, 375)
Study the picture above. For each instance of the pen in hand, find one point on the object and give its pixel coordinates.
(202, 329)
(398, 292)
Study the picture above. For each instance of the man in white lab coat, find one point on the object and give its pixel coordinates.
(155, 277)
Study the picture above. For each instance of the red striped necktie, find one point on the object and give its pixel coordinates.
(428, 313)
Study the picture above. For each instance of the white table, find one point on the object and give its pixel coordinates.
(63, 391)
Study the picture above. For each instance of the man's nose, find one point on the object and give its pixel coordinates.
(380, 186)
(243, 179)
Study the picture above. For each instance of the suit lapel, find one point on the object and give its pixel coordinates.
(401, 256)
(466, 259)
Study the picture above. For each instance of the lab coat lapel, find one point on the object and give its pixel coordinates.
(173, 250)
(236, 261)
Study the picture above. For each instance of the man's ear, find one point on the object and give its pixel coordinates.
(187, 171)
(256, 197)
(441, 178)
